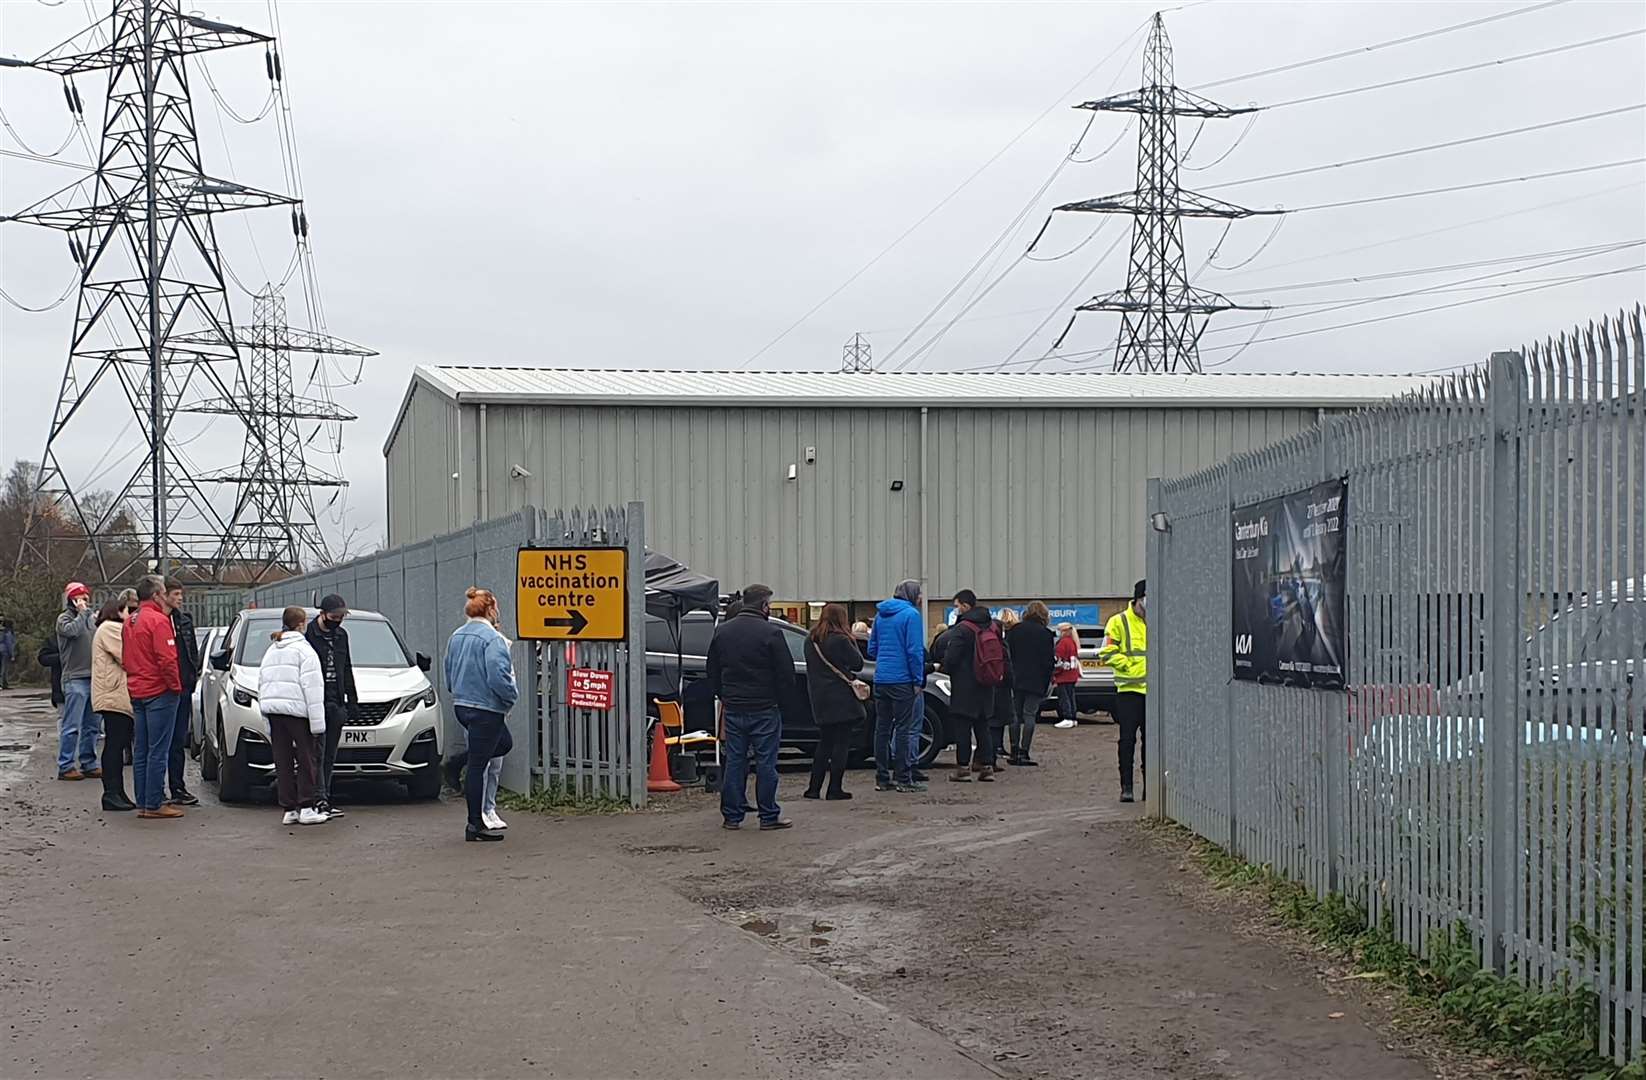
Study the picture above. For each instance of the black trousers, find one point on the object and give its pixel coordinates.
(294, 770)
(117, 735)
(326, 752)
(1000, 723)
(1130, 712)
(962, 729)
(833, 746)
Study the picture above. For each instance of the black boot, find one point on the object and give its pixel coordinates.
(114, 792)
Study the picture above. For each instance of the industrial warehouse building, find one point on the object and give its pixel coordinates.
(835, 486)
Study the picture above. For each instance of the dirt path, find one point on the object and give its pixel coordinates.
(1014, 929)
(1026, 920)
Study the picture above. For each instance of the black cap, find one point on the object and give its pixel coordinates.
(333, 603)
(1140, 590)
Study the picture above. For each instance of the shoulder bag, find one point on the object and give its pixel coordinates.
(859, 688)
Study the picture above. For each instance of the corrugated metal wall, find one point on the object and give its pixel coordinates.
(1049, 502)
(1022, 502)
(421, 460)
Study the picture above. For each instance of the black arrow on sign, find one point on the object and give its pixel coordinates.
(576, 621)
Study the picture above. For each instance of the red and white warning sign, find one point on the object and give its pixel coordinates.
(587, 688)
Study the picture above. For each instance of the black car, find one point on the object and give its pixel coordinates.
(667, 658)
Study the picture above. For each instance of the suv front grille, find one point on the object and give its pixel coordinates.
(371, 714)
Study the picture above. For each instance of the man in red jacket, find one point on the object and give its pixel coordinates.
(149, 654)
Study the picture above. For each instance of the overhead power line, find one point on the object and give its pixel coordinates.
(1391, 43)
(941, 203)
(1483, 65)
(1467, 141)
(1471, 187)
(1575, 279)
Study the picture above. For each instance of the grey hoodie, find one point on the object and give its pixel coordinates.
(75, 630)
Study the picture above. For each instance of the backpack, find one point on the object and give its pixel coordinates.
(988, 655)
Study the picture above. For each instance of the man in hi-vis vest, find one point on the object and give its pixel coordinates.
(1126, 650)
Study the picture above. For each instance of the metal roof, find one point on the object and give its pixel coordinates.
(903, 389)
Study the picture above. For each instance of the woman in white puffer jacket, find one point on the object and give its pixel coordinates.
(291, 695)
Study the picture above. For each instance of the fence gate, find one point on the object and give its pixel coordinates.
(596, 752)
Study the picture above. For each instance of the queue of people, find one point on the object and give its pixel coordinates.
(1000, 669)
(128, 669)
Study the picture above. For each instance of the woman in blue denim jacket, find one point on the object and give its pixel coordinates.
(480, 680)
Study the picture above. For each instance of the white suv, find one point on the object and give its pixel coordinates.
(396, 735)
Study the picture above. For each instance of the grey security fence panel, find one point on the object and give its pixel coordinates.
(1486, 765)
(421, 588)
(598, 752)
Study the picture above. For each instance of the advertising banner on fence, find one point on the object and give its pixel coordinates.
(1289, 620)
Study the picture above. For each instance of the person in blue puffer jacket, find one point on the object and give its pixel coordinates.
(898, 648)
(480, 680)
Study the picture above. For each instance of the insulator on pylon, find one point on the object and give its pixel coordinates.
(268, 62)
(278, 74)
(303, 216)
(79, 105)
(74, 251)
(295, 231)
(68, 94)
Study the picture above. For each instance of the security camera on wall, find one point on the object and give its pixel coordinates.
(519, 472)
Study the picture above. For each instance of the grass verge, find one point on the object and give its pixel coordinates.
(553, 798)
(1548, 1030)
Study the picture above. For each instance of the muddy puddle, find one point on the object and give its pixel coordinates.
(855, 939)
(27, 720)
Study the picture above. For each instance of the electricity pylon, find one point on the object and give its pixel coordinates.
(857, 356)
(1161, 314)
(274, 526)
(140, 229)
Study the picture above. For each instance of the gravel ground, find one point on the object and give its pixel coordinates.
(1031, 921)
(1023, 928)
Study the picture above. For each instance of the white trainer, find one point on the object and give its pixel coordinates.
(310, 816)
(290, 818)
(1066, 724)
(492, 821)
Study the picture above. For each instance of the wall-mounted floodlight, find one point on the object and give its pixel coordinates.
(897, 485)
(1159, 522)
(794, 472)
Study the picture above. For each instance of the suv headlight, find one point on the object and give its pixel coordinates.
(244, 698)
(426, 698)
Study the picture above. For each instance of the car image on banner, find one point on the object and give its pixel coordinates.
(1289, 618)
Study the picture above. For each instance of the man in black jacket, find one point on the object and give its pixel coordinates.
(750, 668)
(971, 703)
(331, 643)
(188, 669)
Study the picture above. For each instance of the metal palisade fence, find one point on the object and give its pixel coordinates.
(1486, 764)
(420, 588)
(597, 752)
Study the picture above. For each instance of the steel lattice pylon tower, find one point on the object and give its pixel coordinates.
(857, 356)
(141, 230)
(1161, 315)
(274, 525)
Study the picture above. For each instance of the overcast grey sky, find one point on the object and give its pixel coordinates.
(674, 185)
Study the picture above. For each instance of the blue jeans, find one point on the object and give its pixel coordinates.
(155, 720)
(488, 738)
(749, 734)
(78, 728)
(916, 722)
(895, 732)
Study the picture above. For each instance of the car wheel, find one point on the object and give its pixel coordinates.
(208, 760)
(234, 782)
(426, 783)
(931, 736)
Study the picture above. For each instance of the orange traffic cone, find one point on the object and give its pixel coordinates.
(657, 777)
